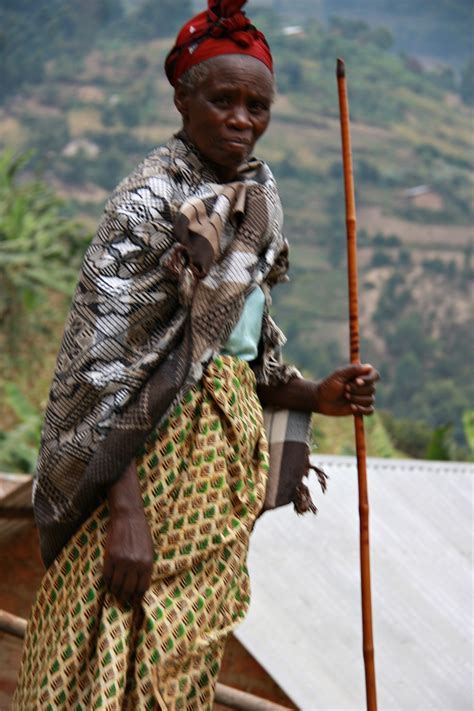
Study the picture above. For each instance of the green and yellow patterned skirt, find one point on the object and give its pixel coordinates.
(203, 477)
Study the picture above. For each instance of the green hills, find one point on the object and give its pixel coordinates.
(91, 114)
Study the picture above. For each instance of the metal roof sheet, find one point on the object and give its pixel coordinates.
(304, 625)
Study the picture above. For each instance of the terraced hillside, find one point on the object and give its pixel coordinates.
(412, 137)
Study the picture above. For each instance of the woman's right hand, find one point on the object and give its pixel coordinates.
(128, 555)
(128, 558)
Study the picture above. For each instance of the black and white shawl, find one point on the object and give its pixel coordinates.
(157, 297)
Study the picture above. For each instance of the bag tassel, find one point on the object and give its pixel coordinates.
(322, 476)
(303, 501)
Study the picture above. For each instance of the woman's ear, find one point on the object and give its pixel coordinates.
(181, 100)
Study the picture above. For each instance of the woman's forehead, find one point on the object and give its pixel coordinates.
(234, 69)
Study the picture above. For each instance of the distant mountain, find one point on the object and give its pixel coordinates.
(439, 29)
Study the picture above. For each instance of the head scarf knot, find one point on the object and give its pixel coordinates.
(221, 29)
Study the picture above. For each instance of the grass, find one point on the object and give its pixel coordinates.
(336, 436)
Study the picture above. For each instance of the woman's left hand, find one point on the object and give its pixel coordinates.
(347, 391)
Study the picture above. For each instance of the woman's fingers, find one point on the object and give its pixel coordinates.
(116, 581)
(108, 570)
(371, 377)
(360, 390)
(129, 585)
(143, 584)
(363, 386)
(361, 409)
(362, 400)
(128, 582)
(363, 404)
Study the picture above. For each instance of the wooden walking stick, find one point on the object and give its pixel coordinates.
(368, 643)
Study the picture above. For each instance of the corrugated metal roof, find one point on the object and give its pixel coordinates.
(304, 625)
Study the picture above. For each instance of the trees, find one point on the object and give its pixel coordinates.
(39, 251)
(39, 254)
(158, 19)
(70, 27)
(466, 87)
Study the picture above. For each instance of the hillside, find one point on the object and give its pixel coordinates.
(89, 122)
(436, 31)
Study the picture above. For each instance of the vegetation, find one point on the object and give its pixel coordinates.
(34, 31)
(40, 252)
(19, 445)
(439, 29)
(466, 88)
(90, 102)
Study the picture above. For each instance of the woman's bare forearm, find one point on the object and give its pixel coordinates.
(296, 394)
(124, 495)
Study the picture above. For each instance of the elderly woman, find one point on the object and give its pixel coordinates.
(154, 458)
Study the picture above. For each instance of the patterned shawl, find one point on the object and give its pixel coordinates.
(162, 285)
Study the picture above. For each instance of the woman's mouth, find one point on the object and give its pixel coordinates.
(236, 141)
(233, 144)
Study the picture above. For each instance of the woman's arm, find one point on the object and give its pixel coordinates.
(128, 557)
(347, 391)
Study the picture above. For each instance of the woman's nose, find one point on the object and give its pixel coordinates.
(239, 118)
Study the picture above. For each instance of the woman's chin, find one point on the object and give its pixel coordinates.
(230, 161)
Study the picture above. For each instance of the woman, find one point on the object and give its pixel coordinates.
(154, 459)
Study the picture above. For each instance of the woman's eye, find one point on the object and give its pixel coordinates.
(221, 101)
(258, 106)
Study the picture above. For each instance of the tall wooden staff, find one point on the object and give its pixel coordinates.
(368, 643)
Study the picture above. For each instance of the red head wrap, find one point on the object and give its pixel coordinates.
(221, 29)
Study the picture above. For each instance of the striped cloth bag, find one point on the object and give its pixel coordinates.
(288, 434)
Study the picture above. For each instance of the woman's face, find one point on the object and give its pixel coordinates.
(228, 112)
